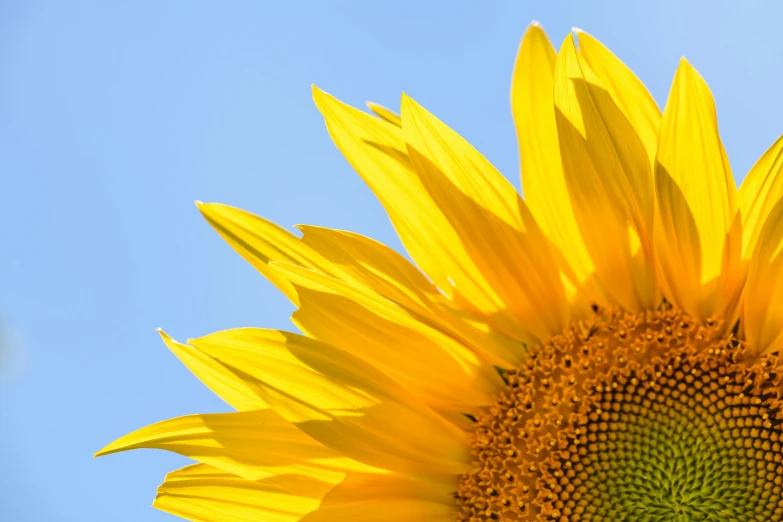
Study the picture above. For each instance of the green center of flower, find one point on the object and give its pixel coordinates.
(643, 417)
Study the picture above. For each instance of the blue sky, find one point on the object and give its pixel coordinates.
(115, 118)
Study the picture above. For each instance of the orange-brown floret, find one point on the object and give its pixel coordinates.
(632, 416)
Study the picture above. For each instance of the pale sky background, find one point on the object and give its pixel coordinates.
(114, 119)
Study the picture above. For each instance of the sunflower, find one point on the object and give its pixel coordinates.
(605, 349)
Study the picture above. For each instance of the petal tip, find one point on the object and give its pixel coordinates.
(168, 340)
(318, 94)
(534, 29)
(568, 43)
(686, 66)
(106, 450)
(317, 91)
(123, 443)
(406, 103)
(206, 208)
(201, 206)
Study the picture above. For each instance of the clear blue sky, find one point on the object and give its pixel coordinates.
(114, 119)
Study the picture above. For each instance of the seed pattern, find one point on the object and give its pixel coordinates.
(632, 417)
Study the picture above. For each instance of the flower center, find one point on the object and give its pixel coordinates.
(645, 416)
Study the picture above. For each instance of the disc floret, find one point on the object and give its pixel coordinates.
(632, 416)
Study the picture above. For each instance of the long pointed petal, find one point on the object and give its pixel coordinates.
(609, 180)
(260, 241)
(761, 189)
(392, 340)
(543, 184)
(376, 150)
(699, 235)
(222, 381)
(201, 493)
(385, 114)
(524, 288)
(369, 263)
(627, 91)
(433, 231)
(252, 444)
(339, 400)
(763, 308)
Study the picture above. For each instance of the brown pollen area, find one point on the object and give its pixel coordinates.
(644, 416)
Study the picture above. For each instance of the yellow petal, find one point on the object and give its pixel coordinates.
(202, 493)
(378, 152)
(225, 383)
(609, 180)
(387, 498)
(760, 191)
(763, 308)
(384, 113)
(339, 400)
(627, 91)
(522, 290)
(380, 269)
(252, 444)
(700, 238)
(260, 241)
(543, 183)
(389, 338)
(281, 379)
(367, 262)
(495, 347)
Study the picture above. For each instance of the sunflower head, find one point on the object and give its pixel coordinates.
(605, 348)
